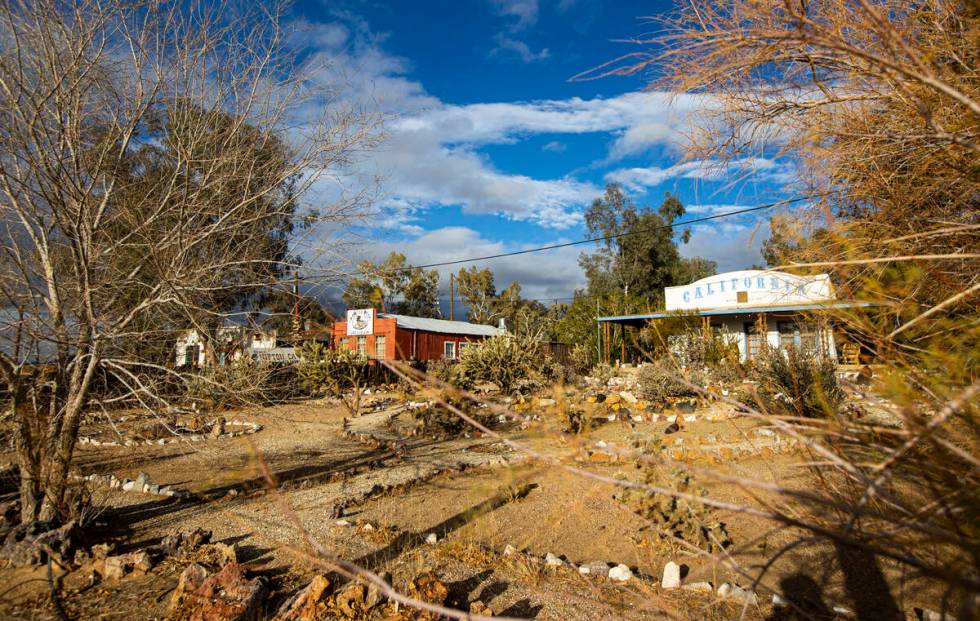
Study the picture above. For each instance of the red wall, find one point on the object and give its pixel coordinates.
(400, 343)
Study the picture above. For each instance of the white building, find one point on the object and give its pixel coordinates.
(231, 343)
(755, 309)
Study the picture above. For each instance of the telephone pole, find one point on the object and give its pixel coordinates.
(452, 297)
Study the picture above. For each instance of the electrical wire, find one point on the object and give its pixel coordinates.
(593, 240)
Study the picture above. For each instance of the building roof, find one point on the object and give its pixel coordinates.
(629, 319)
(441, 325)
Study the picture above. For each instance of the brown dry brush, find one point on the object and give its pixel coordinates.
(876, 104)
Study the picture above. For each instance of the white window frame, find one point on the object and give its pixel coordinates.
(449, 350)
(380, 346)
(361, 346)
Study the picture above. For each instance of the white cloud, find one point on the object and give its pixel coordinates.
(507, 43)
(733, 246)
(554, 146)
(524, 11)
(759, 169)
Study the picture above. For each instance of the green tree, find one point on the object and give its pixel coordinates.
(395, 286)
(638, 254)
(477, 291)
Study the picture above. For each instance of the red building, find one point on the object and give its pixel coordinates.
(400, 337)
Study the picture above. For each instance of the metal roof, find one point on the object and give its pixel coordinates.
(441, 325)
(736, 311)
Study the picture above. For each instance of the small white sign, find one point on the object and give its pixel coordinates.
(360, 322)
(749, 288)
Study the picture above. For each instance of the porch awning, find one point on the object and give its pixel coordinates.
(639, 320)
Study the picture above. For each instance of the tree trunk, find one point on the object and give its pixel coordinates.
(28, 453)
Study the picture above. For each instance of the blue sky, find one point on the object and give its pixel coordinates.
(490, 146)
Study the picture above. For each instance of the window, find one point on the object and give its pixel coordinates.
(380, 343)
(464, 346)
(799, 335)
(191, 354)
(449, 350)
(343, 343)
(362, 346)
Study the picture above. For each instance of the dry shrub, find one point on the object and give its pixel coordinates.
(580, 358)
(436, 420)
(658, 383)
(798, 382)
(241, 383)
(875, 105)
(676, 518)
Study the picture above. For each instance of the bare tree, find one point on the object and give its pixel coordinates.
(153, 160)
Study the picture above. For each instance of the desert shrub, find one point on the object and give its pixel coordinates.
(580, 358)
(504, 360)
(554, 371)
(450, 372)
(797, 381)
(602, 373)
(240, 383)
(436, 420)
(658, 383)
(339, 373)
(708, 350)
(678, 518)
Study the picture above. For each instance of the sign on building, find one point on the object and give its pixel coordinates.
(360, 322)
(749, 288)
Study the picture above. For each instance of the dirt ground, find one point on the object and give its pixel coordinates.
(302, 484)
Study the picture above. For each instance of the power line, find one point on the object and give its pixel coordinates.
(593, 240)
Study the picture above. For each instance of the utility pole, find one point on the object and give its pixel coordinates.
(598, 332)
(297, 326)
(451, 297)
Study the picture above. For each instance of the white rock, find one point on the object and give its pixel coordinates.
(546, 402)
(432, 539)
(129, 486)
(611, 417)
(601, 444)
(552, 560)
(778, 602)
(501, 419)
(690, 418)
(620, 573)
(703, 587)
(738, 593)
(628, 397)
(594, 568)
(672, 418)
(843, 611)
(510, 550)
(765, 432)
(672, 576)
(637, 419)
(368, 526)
(342, 523)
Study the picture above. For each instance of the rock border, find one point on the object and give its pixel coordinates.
(250, 428)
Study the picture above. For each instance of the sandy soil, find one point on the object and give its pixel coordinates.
(276, 494)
